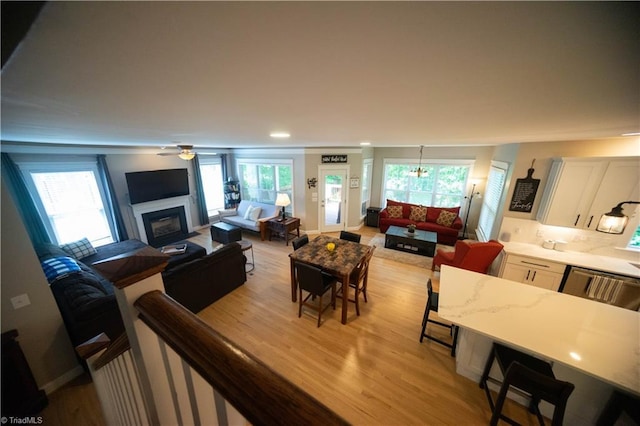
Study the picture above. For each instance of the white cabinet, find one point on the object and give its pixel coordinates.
(580, 190)
(528, 270)
(570, 191)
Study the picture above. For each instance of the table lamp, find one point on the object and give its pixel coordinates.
(283, 201)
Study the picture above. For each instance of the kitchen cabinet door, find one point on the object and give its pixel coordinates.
(531, 276)
(570, 191)
(620, 183)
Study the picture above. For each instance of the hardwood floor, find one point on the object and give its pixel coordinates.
(371, 371)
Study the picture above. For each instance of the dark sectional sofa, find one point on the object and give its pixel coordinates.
(434, 220)
(87, 301)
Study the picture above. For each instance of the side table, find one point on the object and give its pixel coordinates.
(287, 229)
(247, 245)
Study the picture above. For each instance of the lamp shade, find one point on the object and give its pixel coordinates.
(615, 221)
(186, 154)
(283, 200)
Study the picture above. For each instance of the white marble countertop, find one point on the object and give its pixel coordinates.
(600, 340)
(585, 260)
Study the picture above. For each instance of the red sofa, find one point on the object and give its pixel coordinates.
(444, 224)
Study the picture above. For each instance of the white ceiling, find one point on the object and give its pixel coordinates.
(218, 74)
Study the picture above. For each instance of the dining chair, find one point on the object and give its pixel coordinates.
(350, 236)
(529, 375)
(432, 305)
(359, 278)
(300, 241)
(314, 282)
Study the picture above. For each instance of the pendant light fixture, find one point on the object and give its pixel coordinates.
(615, 221)
(419, 171)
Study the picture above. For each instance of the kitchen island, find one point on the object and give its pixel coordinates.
(593, 345)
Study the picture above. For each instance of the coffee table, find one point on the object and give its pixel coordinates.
(422, 242)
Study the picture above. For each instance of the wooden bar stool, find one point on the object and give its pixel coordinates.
(533, 377)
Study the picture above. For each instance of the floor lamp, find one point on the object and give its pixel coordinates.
(470, 200)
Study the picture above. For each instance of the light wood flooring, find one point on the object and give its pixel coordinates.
(371, 371)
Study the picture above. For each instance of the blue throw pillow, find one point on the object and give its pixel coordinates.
(59, 267)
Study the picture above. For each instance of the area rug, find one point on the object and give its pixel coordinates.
(401, 256)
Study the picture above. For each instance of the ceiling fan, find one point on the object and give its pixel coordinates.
(184, 151)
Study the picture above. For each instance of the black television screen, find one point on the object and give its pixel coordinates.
(157, 184)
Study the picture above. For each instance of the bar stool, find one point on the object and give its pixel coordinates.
(432, 305)
(530, 376)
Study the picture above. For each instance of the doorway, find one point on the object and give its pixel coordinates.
(333, 196)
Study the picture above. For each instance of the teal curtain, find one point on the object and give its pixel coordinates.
(223, 166)
(114, 206)
(203, 215)
(26, 207)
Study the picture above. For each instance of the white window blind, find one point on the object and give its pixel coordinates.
(491, 200)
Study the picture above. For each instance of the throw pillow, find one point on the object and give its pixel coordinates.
(227, 212)
(247, 214)
(255, 213)
(79, 249)
(446, 218)
(418, 214)
(395, 212)
(59, 267)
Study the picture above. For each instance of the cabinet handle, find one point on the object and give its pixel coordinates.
(589, 224)
(534, 264)
(528, 272)
(576, 222)
(534, 276)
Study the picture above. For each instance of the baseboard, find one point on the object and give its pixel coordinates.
(60, 381)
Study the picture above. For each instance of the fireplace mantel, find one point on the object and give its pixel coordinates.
(152, 206)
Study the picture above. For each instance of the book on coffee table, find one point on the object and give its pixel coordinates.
(174, 249)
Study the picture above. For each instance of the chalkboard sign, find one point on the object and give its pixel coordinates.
(524, 193)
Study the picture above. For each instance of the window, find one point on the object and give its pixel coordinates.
(442, 185)
(262, 180)
(70, 200)
(635, 240)
(211, 173)
(491, 199)
(367, 167)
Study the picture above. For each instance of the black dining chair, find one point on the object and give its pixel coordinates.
(316, 283)
(359, 278)
(529, 375)
(350, 236)
(432, 305)
(300, 241)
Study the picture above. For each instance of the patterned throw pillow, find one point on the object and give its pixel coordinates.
(59, 267)
(418, 213)
(446, 218)
(79, 249)
(395, 212)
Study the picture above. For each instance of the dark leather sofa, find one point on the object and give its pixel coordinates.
(87, 302)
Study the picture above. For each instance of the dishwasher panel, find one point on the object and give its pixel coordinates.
(627, 289)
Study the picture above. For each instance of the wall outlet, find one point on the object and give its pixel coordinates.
(20, 301)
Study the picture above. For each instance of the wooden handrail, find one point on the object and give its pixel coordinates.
(260, 394)
(113, 349)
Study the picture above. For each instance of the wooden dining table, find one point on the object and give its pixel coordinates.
(340, 263)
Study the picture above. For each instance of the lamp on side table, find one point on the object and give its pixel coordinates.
(282, 201)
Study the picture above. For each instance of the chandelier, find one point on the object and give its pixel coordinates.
(419, 171)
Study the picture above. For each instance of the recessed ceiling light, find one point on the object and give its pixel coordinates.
(280, 135)
(365, 143)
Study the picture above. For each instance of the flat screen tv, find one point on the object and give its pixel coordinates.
(157, 185)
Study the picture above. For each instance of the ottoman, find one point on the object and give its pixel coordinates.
(193, 252)
(225, 233)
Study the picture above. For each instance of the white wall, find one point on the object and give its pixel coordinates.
(42, 335)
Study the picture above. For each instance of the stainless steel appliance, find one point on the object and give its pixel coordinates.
(604, 287)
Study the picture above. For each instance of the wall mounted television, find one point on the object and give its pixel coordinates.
(157, 185)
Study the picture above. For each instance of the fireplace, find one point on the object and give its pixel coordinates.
(166, 226)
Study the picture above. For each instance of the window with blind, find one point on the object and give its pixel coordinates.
(491, 199)
(367, 167)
